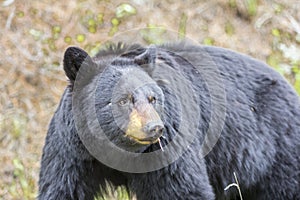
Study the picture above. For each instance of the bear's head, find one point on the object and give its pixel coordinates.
(129, 103)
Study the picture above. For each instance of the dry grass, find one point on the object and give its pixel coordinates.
(235, 184)
(34, 35)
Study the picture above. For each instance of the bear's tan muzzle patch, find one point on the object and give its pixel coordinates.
(138, 119)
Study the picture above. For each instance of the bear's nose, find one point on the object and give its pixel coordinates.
(154, 129)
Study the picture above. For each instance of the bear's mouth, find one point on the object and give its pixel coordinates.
(149, 140)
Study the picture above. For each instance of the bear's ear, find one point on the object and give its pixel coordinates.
(74, 58)
(147, 59)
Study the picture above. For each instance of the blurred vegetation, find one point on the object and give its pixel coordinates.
(34, 35)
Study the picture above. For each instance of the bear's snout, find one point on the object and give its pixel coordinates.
(154, 129)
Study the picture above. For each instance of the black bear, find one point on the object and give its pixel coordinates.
(212, 111)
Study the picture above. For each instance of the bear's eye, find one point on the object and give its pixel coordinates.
(152, 99)
(122, 102)
(125, 100)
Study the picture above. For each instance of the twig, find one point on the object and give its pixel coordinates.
(160, 145)
(7, 3)
(231, 185)
(262, 20)
(10, 18)
(294, 23)
(236, 184)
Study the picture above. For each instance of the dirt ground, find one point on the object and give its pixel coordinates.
(34, 35)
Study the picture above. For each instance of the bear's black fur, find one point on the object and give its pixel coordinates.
(260, 139)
